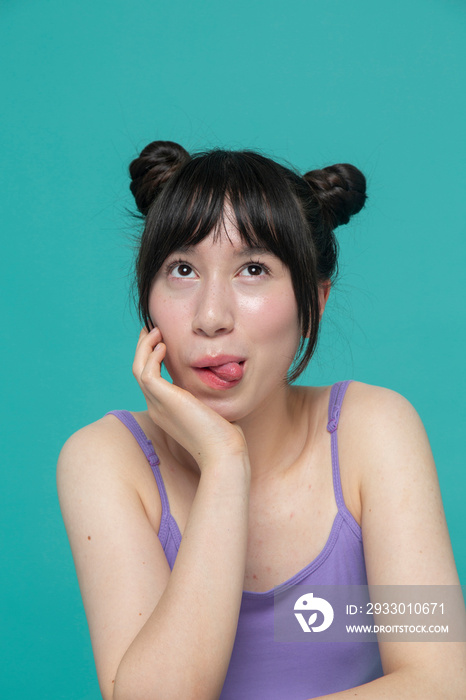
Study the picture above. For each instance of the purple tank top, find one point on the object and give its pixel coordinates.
(260, 667)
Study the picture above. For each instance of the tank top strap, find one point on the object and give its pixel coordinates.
(337, 394)
(147, 447)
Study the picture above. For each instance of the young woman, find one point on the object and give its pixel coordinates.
(184, 518)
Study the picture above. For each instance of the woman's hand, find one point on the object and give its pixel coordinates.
(195, 426)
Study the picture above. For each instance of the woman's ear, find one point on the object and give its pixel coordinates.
(324, 291)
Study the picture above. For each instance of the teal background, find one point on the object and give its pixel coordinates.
(86, 84)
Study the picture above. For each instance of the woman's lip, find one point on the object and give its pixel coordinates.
(216, 361)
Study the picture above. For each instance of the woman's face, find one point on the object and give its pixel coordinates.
(229, 318)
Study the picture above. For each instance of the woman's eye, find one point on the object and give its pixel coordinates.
(181, 270)
(254, 270)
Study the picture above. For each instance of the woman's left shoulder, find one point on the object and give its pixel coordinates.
(374, 411)
(370, 395)
(367, 412)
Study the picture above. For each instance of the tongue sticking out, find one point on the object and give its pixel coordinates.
(229, 372)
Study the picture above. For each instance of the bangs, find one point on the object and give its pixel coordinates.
(241, 186)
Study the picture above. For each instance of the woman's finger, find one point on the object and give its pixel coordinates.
(148, 336)
(144, 349)
(152, 368)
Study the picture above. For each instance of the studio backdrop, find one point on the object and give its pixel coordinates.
(87, 84)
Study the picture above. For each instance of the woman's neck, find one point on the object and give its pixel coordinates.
(277, 432)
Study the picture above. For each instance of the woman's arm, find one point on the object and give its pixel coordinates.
(405, 537)
(158, 634)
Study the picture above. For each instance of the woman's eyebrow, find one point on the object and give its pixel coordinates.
(252, 249)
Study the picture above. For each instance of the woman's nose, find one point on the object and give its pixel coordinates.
(214, 311)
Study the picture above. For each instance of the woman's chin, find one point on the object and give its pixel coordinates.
(224, 408)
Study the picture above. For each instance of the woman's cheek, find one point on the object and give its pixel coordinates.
(166, 313)
(272, 315)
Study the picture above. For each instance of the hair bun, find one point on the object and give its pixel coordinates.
(340, 189)
(152, 168)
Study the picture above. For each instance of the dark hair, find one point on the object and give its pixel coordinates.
(183, 197)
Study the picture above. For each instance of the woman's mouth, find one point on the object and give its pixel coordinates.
(220, 373)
